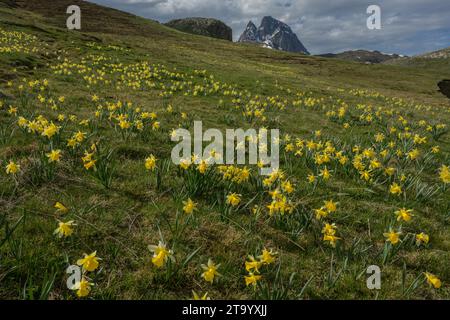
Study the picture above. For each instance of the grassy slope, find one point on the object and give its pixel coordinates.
(121, 222)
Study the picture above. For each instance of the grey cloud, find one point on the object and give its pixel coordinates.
(409, 26)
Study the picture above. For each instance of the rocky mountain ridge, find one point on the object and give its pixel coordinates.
(273, 34)
(203, 26)
(363, 56)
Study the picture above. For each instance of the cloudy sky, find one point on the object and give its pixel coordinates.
(408, 26)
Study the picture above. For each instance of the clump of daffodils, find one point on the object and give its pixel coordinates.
(281, 193)
(234, 174)
(275, 176)
(253, 265)
(89, 263)
(329, 234)
(88, 160)
(328, 208)
(280, 203)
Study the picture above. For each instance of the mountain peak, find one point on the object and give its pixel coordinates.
(268, 19)
(271, 23)
(250, 34)
(273, 34)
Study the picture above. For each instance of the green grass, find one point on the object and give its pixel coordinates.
(121, 221)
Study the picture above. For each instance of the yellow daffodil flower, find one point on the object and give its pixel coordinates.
(89, 262)
(210, 271)
(65, 229)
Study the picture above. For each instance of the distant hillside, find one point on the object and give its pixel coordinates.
(435, 56)
(204, 27)
(436, 60)
(440, 54)
(363, 56)
(95, 18)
